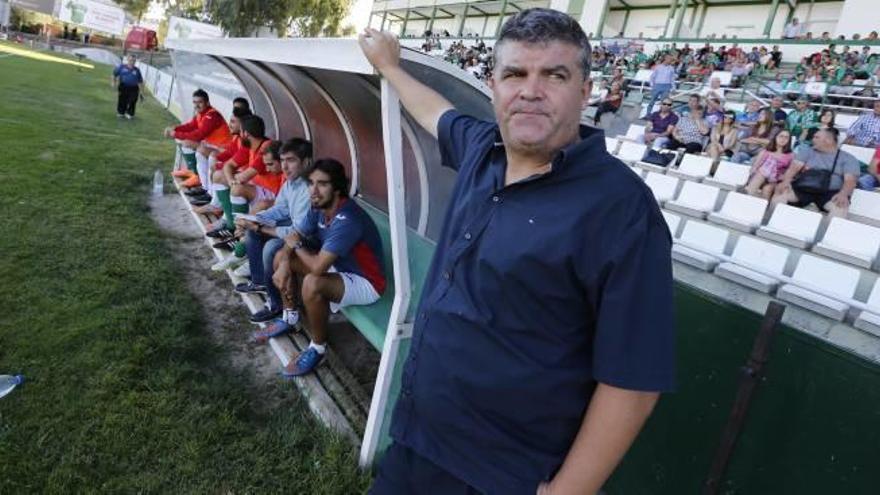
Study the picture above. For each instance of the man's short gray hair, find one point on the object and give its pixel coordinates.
(541, 25)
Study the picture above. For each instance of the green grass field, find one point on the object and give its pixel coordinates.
(125, 392)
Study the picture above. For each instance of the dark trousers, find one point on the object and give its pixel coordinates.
(128, 97)
(604, 107)
(261, 251)
(674, 144)
(403, 472)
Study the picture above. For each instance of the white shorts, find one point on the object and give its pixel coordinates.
(263, 194)
(358, 291)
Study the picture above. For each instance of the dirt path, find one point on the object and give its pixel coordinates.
(224, 313)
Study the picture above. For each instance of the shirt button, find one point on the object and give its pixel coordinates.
(447, 275)
(496, 199)
(406, 392)
(467, 235)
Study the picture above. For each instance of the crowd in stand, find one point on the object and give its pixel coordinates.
(286, 219)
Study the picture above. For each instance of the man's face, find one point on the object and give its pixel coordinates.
(823, 141)
(200, 104)
(321, 190)
(693, 101)
(234, 125)
(273, 166)
(666, 106)
(753, 106)
(539, 91)
(130, 61)
(291, 165)
(801, 105)
(776, 102)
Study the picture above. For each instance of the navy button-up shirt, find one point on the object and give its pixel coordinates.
(537, 291)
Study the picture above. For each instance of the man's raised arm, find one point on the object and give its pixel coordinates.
(422, 102)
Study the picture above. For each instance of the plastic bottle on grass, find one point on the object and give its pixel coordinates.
(158, 183)
(9, 382)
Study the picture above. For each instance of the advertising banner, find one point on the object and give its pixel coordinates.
(93, 15)
(185, 29)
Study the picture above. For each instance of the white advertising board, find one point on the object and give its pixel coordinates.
(93, 15)
(185, 29)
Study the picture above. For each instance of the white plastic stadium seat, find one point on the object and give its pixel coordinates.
(844, 120)
(643, 76)
(815, 273)
(864, 207)
(631, 152)
(611, 145)
(695, 199)
(663, 187)
(672, 221)
(740, 212)
(723, 75)
(793, 226)
(729, 175)
(755, 263)
(815, 88)
(636, 133)
(861, 153)
(851, 242)
(869, 320)
(700, 244)
(694, 167)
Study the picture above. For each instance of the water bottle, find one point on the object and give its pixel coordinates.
(8, 382)
(158, 183)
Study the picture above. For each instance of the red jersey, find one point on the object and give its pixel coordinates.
(207, 126)
(264, 178)
(235, 152)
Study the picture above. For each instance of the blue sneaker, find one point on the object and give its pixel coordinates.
(307, 361)
(276, 328)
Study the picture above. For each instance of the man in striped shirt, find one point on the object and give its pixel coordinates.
(866, 130)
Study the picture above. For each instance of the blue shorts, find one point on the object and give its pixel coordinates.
(403, 472)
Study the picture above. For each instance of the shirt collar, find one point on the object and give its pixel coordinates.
(588, 142)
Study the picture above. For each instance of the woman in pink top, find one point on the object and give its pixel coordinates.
(769, 165)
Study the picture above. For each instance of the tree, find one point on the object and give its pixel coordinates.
(137, 8)
(307, 17)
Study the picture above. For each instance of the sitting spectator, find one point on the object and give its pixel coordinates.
(690, 132)
(714, 89)
(598, 93)
(660, 125)
(694, 101)
(723, 138)
(792, 30)
(800, 119)
(870, 180)
(337, 252)
(264, 241)
(826, 121)
(756, 137)
(770, 165)
(610, 103)
(832, 196)
(865, 131)
(714, 111)
(776, 55)
(748, 118)
(794, 88)
(779, 114)
(207, 131)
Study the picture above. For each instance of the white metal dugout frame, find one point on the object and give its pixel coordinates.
(327, 91)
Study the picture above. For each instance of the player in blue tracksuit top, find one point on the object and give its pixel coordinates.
(336, 253)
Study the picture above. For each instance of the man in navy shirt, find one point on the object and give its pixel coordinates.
(127, 79)
(545, 329)
(336, 252)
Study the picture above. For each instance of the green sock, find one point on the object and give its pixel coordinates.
(225, 203)
(239, 250)
(236, 208)
(190, 160)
